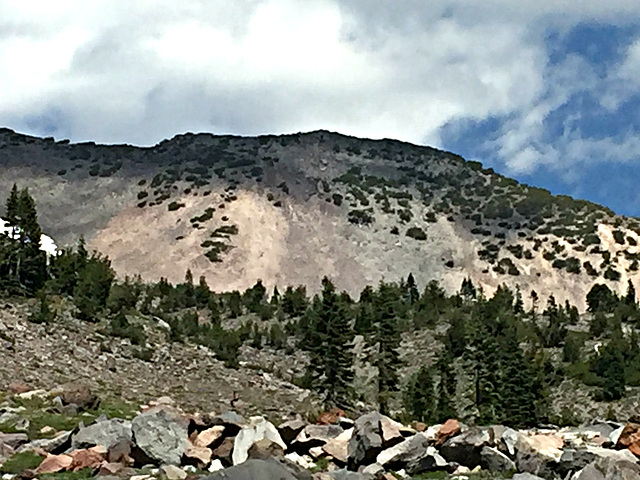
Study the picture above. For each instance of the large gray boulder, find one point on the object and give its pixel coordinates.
(494, 460)
(539, 454)
(161, 434)
(414, 455)
(573, 460)
(609, 469)
(290, 429)
(316, 436)
(261, 470)
(106, 433)
(465, 449)
(526, 476)
(372, 433)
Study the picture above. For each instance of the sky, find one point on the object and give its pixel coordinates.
(545, 91)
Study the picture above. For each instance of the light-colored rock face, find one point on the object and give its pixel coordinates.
(258, 430)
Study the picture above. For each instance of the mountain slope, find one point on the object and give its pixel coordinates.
(291, 209)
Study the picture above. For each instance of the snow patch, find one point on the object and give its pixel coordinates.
(46, 242)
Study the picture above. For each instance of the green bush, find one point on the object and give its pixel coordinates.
(416, 233)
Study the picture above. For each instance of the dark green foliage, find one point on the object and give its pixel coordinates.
(328, 339)
(294, 301)
(23, 266)
(121, 327)
(611, 274)
(610, 366)
(601, 299)
(419, 396)
(361, 217)
(388, 339)
(93, 286)
(618, 236)
(173, 206)
(416, 233)
(598, 324)
(42, 312)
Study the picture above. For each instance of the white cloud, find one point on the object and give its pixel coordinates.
(141, 71)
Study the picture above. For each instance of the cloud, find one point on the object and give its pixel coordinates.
(138, 72)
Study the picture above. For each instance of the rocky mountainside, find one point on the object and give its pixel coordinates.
(290, 209)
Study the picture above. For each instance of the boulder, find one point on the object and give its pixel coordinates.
(260, 470)
(266, 448)
(465, 448)
(224, 451)
(510, 439)
(54, 463)
(105, 433)
(539, 454)
(368, 439)
(526, 476)
(14, 440)
(200, 455)
(161, 434)
(494, 460)
(316, 436)
(171, 472)
(338, 447)
(56, 445)
(19, 387)
(258, 429)
(573, 460)
(448, 429)
(608, 469)
(289, 430)
(81, 396)
(304, 461)
(216, 465)
(87, 458)
(344, 474)
(414, 455)
(208, 436)
(231, 420)
(331, 417)
(630, 438)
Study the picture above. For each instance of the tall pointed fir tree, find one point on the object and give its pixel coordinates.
(329, 340)
(25, 263)
(388, 341)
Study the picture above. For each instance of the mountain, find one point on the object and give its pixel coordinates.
(291, 209)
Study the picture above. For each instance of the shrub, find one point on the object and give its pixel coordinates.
(173, 206)
(416, 233)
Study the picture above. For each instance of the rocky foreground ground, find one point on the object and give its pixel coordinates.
(69, 433)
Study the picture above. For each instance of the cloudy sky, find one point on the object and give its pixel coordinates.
(546, 91)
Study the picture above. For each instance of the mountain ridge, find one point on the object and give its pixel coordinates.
(320, 203)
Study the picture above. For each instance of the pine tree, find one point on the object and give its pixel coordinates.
(388, 341)
(420, 396)
(446, 389)
(412, 290)
(329, 340)
(12, 207)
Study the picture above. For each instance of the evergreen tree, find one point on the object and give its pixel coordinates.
(94, 284)
(630, 297)
(610, 366)
(413, 295)
(329, 340)
(388, 341)
(419, 396)
(446, 389)
(25, 263)
(12, 208)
